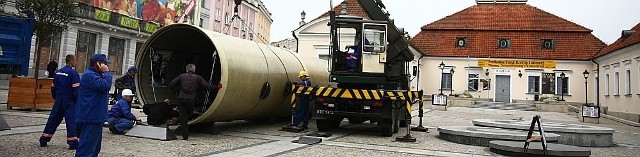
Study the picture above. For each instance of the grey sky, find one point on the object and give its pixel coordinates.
(607, 18)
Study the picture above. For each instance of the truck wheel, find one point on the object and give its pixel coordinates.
(323, 125)
(355, 120)
(386, 127)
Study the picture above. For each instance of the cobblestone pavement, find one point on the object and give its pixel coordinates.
(262, 138)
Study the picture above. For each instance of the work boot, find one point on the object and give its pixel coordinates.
(73, 143)
(43, 140)
(113, 129)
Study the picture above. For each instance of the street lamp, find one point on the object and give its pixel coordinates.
(343, 5)
(562, 77)
(441, 66)
(451, 71)
(586, 76)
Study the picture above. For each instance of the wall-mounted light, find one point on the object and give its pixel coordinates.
(486, 72)
(520, 73)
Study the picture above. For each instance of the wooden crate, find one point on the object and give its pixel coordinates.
(30, 93)
(21, 93)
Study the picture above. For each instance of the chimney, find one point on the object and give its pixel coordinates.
(627, 33)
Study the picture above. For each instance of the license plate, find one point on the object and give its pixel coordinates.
(324, 112)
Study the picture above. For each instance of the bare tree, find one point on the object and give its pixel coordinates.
(52, 16)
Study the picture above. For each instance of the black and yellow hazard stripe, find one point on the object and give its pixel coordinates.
(360, 94)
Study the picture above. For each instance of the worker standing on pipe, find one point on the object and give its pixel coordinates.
(91, 109)
(302, 113)
(120, 117)
(64, 90)
(126, 82)
(187, 85)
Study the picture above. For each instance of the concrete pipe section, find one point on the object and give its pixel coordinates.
(256, 78)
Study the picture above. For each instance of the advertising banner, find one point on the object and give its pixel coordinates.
(163, 12)
(547, 64)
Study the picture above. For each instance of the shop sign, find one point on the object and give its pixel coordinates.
(485, 63)
(150, 27)
(129, 22)
(103, 15)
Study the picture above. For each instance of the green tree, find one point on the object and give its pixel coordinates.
(52, 16)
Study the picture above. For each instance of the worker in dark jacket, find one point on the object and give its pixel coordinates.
(187, 85)
(64, 91)
(91, 109)
(52, 67)
(120, 117)
(302, 113)
(126, 82)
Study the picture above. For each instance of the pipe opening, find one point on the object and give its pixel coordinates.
(166, 55)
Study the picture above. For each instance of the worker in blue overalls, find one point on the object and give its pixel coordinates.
(302, 113)
(352, 58)
(64, 90)
(126, 82)
(91, 109)
(120, 117)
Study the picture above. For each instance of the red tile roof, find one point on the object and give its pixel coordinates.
(622, 42)
(524, 25)
(353, 8)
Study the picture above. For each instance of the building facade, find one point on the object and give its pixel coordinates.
(118, 28)
(252, 23)
(619, 76)
(508, 52)
(289, 44)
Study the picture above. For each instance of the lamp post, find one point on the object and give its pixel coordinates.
(451, 91)
(441, 66)
(586, 76)
(562, 77)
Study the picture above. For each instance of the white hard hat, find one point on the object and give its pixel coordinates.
(127, 92)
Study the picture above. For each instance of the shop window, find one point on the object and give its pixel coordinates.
(548, 83)
(446, 81)
(534, 84)
(486, 84)
(85, 48)
(562, 85)
(116, 55)
(50, 50)
(473, 82)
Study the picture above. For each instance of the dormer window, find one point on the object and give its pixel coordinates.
(547, 44)
(504, 43)
(461, 42)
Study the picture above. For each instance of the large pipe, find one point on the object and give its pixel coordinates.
(243, 67)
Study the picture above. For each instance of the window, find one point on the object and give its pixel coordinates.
(562, 85)
(226, 18)
(50, 51)
(203, 3)
(547, 44)
(628, 81)
(548, 83)
(201, 22)
(85, 48)
(534, 84)
(473, 82)
(218, 14)
(606, 85)
(461, 42)
(446, 80)
(116, 55)
(504, 43)
(616, 86)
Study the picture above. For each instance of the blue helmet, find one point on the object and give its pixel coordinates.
(133, 69)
